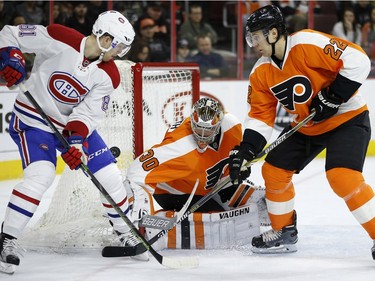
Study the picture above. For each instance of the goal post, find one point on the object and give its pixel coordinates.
(179, 80)
(151, 97)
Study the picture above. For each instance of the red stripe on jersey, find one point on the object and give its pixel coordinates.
(34, 110)
(66, 35)
(73, 38)
(25, 197)
(111, 69)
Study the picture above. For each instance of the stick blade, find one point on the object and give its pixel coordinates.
(120, 251)
(180, 262)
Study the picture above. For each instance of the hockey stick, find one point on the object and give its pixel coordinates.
(138, 249)
(156, 221)
(168, 223)
(175, 262)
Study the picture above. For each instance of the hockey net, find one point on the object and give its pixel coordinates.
(151, 97)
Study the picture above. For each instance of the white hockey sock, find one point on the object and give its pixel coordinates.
(26, 196)
(111, 179)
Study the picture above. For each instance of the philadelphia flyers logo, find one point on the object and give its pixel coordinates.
(296, 89)
(66, 89)
(214, 173)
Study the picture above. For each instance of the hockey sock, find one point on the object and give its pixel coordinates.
(111, 179)
(359, 196)
(26, 196)
(279, 195)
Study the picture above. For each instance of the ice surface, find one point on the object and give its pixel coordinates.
(332, 246)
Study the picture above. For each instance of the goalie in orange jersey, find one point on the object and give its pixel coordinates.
(305, 71)
(198, 148)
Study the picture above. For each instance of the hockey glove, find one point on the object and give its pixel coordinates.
(12, 65)
(239, 155)
(77, 153)
(326, 104)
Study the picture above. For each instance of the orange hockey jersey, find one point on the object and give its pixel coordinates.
(311, 62)
(174, 165)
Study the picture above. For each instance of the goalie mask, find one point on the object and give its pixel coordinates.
(264, 19)
(117, 26)
(206, 118)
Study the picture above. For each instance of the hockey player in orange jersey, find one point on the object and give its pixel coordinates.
(198, 148)
(305, 71)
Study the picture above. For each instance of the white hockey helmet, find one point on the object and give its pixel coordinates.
(206, 118)
(116, 25)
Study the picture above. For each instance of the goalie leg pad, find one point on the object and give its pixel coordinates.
(246, 193)
(219, 230)
(140, 200)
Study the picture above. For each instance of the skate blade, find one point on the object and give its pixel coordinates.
(7, 268)
(291, 248)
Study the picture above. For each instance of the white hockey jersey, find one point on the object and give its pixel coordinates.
(69, 87)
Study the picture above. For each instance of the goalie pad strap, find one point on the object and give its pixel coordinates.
(185, 234)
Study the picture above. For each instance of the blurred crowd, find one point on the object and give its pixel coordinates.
(203, 35)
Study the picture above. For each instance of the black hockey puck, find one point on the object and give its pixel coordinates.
(115, 151)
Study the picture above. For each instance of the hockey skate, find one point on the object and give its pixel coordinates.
(277, 241)
(9, 251)
(373, 251)
(128, 239)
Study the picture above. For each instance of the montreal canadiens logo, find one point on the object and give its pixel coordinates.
(66, 89)
(176, 108)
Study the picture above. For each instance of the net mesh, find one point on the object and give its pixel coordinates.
(75, 219)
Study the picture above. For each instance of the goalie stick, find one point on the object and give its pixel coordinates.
(119, 251)
(175, 262)
(114, 251)
(155, 221)
(168, 223)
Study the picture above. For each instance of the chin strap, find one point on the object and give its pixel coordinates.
(101, 56)
(274, 43)
(202, 150)
(103, 50)
(273, 48)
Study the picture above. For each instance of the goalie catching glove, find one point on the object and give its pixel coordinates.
(12, 65)
(77, 153)
(238, 156)
(326, 104)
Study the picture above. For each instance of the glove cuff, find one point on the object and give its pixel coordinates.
(75, 139)
(254, 141)
(76, 128)
(343, 87)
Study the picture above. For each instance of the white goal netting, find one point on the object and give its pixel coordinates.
(75, 219)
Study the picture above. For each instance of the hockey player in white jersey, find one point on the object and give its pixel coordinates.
(198, 148)
(72, 79)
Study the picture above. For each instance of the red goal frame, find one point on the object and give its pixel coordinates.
(137, 70)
